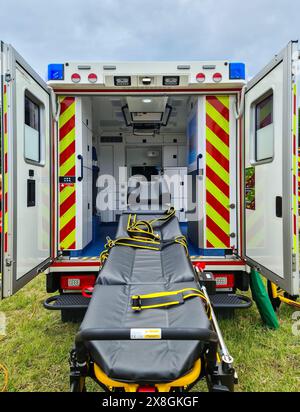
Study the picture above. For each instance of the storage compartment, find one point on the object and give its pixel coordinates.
(152, 157)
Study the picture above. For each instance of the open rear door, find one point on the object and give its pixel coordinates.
(25, 163)
(271, 171)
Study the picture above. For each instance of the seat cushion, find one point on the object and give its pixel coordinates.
(143, 361)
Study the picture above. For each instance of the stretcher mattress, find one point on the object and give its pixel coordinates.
(128, 272)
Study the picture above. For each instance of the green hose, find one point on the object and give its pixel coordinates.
(263, 303)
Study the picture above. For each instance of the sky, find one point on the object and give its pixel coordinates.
(54, 31)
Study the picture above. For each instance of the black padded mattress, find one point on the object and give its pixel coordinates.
(128, 272)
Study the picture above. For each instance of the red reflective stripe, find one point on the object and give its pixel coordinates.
(67, 204)
(219, 106)
(65, 104)
(68, 228)
(217, 206)
(67, 153)
(217, 130)
(71, 172)
(213, 177)
(67, 128)
(216, 154)
(217, 231)
(72, 246)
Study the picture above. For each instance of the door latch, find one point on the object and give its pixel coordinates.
(7, 77)
(294, 262)
(8, 261)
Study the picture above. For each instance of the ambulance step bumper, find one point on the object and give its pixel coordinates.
(230, 301)
(66, 302)
(77, 301)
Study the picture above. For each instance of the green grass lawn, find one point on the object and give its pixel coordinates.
(36, 347)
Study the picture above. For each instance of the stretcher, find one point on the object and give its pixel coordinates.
(150, 325)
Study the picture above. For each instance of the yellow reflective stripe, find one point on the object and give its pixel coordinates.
(216, 242)
(224, 100)
(67, 140)
(217, 218)
(217, 117)
(68, 241)
(66, 192)
(64, 219)
(67, 115)
(217, 193)
(67, 166)
(214, 165)
(217, 143)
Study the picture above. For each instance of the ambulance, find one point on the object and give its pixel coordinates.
(69, 147)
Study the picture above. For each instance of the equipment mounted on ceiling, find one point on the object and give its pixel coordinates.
(146, 115)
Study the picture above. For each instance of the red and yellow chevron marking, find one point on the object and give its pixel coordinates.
(5, 137)
(295, 173)
(67, 164)
(217, 172)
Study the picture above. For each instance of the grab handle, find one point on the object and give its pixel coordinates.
(80, 178)
(199, 157)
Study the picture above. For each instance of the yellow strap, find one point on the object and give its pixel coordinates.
(197, 293)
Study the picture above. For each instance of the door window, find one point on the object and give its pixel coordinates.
(32, 133)
(264, 130)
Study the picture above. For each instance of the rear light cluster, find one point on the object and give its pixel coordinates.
(224, 280)
(217, 77)
(77, 283)
(76, 78)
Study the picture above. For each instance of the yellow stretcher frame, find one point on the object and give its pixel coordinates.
(278, 294)
(183, 382)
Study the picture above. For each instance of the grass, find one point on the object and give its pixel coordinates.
(36, 347)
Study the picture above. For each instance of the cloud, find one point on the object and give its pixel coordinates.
(112, 30)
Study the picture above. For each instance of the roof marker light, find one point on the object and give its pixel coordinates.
(200, 77)
(75, 78)
(92, 78)
(55, 71)
(217, 77)
(237, 71)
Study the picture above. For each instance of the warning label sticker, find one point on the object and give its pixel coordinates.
(137, 334)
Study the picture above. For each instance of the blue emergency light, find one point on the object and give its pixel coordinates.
(237, 71)
(55, 72)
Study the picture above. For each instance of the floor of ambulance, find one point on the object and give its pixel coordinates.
(103, 230)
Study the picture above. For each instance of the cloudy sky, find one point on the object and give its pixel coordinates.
(111, 30)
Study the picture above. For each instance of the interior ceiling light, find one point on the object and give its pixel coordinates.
(147, 100)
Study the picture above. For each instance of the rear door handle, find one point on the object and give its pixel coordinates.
(80, 178)
(278, 206)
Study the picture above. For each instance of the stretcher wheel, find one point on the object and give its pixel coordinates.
(78, 385)
(276, 302)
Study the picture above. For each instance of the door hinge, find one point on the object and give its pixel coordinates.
(294, 262)
(8, 261)
(7, 77)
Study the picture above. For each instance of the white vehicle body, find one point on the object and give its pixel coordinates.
(47, 180)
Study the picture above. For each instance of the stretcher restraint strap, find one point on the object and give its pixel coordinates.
(166, 299)
(142, 236)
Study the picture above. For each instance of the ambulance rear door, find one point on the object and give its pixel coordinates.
(26, 172)
(271, 171)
